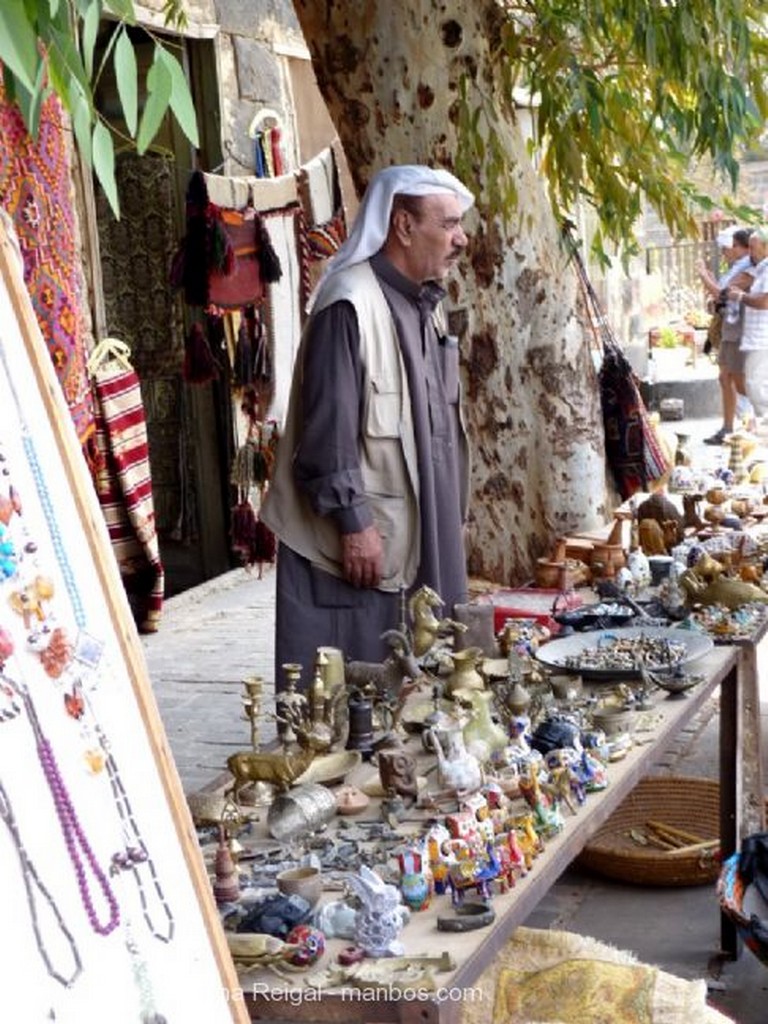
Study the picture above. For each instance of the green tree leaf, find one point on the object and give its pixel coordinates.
(18, 43)
(63, 49)
(82, 119)
(159, 87)
(126, 76)
(104, 164)
(89, 34)
(181, 98)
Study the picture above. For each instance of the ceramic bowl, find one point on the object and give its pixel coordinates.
(306, 882)
(351, 800)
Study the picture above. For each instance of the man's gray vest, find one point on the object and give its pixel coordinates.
(387, 451)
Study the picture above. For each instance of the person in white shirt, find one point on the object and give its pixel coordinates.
(754, 332)
(734, 243)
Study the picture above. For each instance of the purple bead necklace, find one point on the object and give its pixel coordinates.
(78, 847)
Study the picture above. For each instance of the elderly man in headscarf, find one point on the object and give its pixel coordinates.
(369, 492)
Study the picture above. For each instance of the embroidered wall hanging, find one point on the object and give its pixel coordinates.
(35, 190)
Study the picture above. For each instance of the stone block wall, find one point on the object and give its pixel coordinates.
(253, 40)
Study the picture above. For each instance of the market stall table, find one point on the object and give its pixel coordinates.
(272, 996)
(740, 719)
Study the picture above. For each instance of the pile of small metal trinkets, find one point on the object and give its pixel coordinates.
(616, 653)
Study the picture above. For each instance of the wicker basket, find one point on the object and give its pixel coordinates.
(690, 804)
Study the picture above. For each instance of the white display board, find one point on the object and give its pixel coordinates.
(106, 912)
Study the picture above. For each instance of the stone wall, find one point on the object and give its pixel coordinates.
(254, 41)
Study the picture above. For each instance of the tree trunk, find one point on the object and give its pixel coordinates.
(392, 75)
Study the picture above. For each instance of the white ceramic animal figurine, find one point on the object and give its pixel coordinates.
(382, 916)
(457, 769)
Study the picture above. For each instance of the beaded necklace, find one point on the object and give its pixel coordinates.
(79, 849)
(44, 495)
(136, 854)
(32, 882)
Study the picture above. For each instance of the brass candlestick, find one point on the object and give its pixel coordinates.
(254, 692)
(290, 704)
(259, 793)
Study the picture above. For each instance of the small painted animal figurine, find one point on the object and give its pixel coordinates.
(511, 859)
(528, 838)
(546, 813)
(591, 771)
(437, 835)
(470, 870)
(414, 880)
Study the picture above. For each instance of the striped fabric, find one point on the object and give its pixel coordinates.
(124, 487)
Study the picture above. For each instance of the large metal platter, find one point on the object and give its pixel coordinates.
(557, 653)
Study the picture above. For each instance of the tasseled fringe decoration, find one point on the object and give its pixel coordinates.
(269, 261)
(251, 539)
(243, 528)
(264, 544)
(250, 408)
(251, 466)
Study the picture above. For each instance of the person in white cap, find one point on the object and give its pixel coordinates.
(734, 243)
(370, 487)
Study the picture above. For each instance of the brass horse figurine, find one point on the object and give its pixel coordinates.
(426, 628)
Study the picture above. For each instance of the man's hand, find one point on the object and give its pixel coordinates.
(361, 557)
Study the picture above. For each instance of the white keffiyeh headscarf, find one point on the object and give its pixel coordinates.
(371, 225)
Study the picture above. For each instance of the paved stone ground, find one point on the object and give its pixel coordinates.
(212, 638)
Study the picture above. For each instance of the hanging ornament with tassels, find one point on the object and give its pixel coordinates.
(252, 469)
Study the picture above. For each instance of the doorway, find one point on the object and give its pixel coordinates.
(188, 425)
